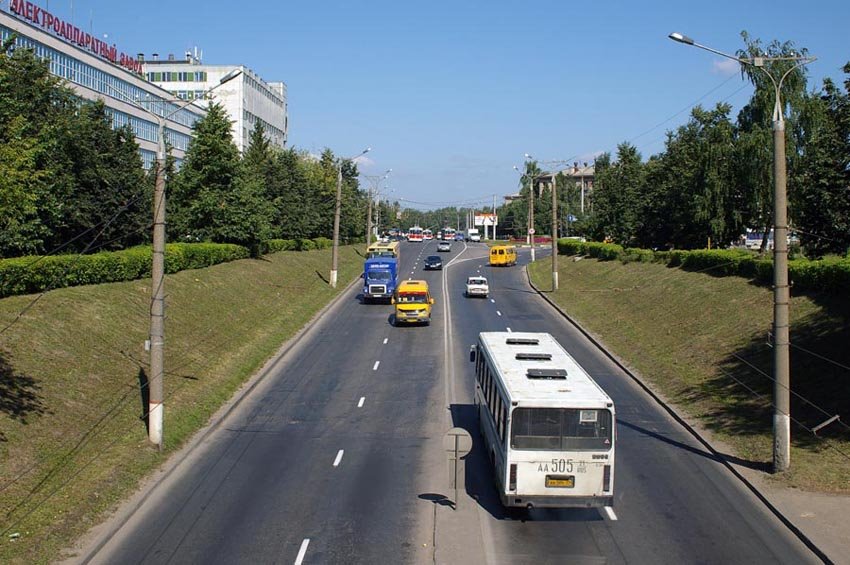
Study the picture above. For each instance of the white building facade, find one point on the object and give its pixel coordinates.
(98, 71)
(248, 99)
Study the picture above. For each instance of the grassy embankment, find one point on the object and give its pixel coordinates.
(701, 341)
(72, 439)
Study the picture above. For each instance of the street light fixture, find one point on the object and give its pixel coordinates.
(157, 312)
(335, 250)
(781, 295)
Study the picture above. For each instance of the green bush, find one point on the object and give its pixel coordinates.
(826, 275)
(26, 275)
(277, 245)
(631, 254)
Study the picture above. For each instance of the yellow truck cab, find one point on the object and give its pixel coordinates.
(502, 255)
(412, 302)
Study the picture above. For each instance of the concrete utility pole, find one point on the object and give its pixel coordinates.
(374, 184)
(781, 294)
(335, 248)
(157, 309)
(554, 234)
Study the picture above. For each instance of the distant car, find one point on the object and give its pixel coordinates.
(433, 262)
(458, 237)
(477, 286)
(444, 246)
(475, 237)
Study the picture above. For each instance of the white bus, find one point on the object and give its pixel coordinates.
(415, 234)
(548, 427)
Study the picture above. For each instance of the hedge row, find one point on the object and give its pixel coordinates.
(27, 275)
(826, 275)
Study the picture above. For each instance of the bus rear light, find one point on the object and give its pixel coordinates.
(606, 478)
(512, 481)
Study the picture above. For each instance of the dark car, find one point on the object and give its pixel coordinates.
(433, 262)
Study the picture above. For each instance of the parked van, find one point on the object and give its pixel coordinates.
(502, 256)
(412, 303)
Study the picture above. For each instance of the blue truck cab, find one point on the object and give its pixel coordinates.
(380, 276)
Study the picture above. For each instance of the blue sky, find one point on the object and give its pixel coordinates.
(450, 95)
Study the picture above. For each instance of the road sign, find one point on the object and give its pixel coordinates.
(458, 443)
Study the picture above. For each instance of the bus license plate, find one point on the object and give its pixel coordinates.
(560, 482)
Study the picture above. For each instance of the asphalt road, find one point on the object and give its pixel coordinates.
(336, 456)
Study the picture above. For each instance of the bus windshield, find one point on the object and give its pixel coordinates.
(561, 429)
(413, 298)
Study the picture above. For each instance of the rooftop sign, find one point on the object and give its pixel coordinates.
(71, 33)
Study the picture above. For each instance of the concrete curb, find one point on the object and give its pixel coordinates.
(127, 509)
(681, 421)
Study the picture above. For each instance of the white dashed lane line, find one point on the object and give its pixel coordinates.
(338, 458)
(386, 339)
(493, 300)
(375, 367)
(362, 400)
(610, 512)
(508, 330)
(302, 552)
(498, 313)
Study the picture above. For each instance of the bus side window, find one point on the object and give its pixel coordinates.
(498, 418)
(503, 424)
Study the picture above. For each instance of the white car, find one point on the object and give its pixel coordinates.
(477, 286)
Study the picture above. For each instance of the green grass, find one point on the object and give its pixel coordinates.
(701, 342)
(72, 440)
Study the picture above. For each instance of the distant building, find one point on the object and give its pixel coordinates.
(96, 70)
(582, 175)
(248, 99)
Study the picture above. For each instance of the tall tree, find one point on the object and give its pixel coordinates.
(820, 189)
(203, 189)
(754, 155)
(35, 111)
(617, 195)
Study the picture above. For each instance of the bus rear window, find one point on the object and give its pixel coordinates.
(560, 429)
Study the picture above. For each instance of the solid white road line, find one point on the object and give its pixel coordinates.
(338, 458)
(610, 512)
(362, 400)
(386, 339)
(302, 551)
(375, 368)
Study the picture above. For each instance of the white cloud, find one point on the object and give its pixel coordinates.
(726, 67)
(363, 161)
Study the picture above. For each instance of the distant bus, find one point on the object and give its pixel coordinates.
(448, 234)
(427, 234)
(548, 427)
(378, 249)
(415, 234)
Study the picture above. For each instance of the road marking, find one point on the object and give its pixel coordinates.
(386, 339)
(338, 458)
(509, 330)
(493, 300)
(498, 313)
(375, 368)
(362, 400)
(610, 512)
(302, 551)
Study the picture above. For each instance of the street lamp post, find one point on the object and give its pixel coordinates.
(157, 311)
(335, 249)
(554, 234)
(781, 294)
(375, 181)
